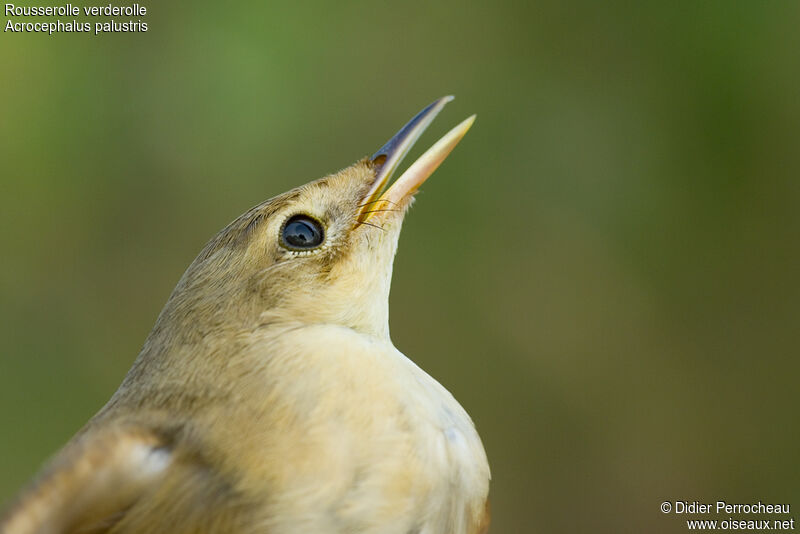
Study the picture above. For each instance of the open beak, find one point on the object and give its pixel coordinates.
(392, 153)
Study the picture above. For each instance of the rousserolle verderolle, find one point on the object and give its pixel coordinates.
(269, 398)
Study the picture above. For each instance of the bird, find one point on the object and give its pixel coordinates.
(269, 397)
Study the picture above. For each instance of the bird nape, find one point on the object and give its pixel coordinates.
(269, 397)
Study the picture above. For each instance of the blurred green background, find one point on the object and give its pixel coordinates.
(604, 272)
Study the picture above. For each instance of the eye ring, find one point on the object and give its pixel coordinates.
(302, 233)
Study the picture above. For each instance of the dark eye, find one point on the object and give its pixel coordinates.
(301, 232)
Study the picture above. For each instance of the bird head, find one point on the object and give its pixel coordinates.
(320, 253)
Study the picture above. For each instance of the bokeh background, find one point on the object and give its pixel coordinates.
(604, 272)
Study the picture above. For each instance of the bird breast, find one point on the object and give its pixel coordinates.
(342, 432)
